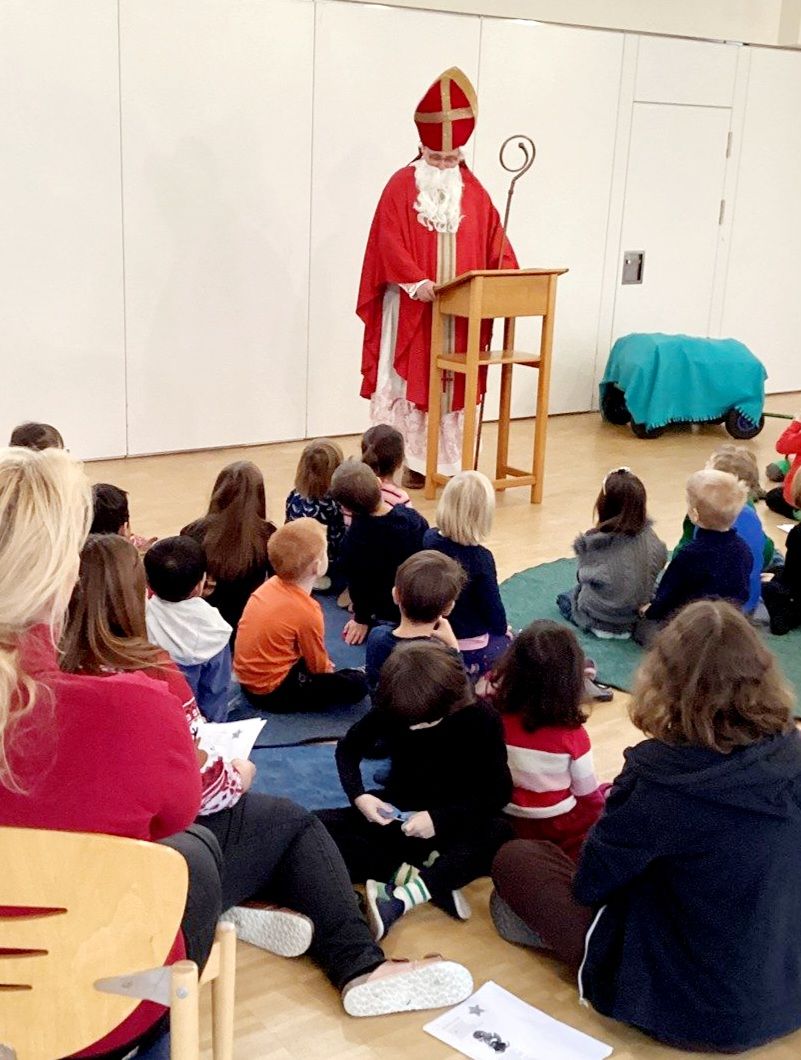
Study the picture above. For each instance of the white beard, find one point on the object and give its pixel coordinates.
(439, 197)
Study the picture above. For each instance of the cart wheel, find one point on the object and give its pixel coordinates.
(741, 427)
(613, 406)
(639, 430)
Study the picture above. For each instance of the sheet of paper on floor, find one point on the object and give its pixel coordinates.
(787, 527)
(493, 1022)
(230, 739)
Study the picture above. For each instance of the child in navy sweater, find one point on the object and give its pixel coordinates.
(464, 521)
(426, 588)
(715, 564)
(379, 539)
(437, 823)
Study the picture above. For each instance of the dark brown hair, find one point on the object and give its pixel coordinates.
(36, 436)
(235, 532)
(709, 681)
(427, 583)
(422, 681)
(382, 449)
(541, 677)
(318, 462)
(110, 510)
(620, 506)
(105, 627)
(295, 546)
(356, 487)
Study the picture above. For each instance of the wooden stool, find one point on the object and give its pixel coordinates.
(487, 295)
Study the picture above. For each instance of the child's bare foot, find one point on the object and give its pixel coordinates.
(343, 600)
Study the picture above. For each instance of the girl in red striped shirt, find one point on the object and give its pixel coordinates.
(539, 687)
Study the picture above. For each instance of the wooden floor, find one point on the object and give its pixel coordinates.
(287, 1009)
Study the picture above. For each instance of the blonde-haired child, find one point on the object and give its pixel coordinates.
(739, 461)
(464, 521)
(715, 564)
(311, 497)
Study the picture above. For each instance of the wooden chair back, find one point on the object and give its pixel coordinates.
(87, 907)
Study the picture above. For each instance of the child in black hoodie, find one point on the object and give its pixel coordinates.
(448, 779)
(683, 917)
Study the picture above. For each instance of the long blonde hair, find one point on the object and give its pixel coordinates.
(45, 513)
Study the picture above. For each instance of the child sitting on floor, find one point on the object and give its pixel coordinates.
(188, 628)
(538, 688)
(716, 563)
(427, 586)
(106, 633)
(36, 436)
(382, 450)
(111, 515)
(782, 594)
(782, 499)
(311, 497)
(619, 560)
(437, 824)
(234, 534)
(281, 659)
(741, 462)
(464, 521)
(380, 538)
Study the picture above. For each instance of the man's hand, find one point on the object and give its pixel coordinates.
(369, 805)
(443, 631)
(246, 770)
(425, 292)
(420, 826)
(354, 632)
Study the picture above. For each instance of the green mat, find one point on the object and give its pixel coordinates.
(532, 594)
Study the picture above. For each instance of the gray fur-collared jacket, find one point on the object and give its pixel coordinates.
(616, 576)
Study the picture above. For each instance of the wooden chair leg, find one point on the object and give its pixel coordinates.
(223, 990)
(184, 1012)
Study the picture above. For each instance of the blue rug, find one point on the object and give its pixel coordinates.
(532, 594)
(287, 730)
(307, 775)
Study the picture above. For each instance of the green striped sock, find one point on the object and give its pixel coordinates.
(413, 893)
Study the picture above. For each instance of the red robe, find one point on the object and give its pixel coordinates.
(401, 250)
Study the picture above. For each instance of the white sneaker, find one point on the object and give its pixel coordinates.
(279, 931)
(407, 986)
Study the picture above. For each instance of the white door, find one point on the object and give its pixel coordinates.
(674, 187)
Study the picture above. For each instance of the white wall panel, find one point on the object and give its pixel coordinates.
(373, 64)
(559, 86)
(696, 72)
(216, 121)
(762, 306)
(61, 318)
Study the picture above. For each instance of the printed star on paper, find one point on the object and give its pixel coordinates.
(476, 1010)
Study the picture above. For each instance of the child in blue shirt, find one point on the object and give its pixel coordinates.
(716, 564)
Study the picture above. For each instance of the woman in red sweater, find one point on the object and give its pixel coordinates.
(83, 754)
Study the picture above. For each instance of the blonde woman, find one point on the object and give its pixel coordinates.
(79, 753)
(464, 521)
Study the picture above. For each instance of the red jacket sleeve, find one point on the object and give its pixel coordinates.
(790, 441)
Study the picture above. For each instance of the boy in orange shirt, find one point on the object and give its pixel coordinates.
(281, 659)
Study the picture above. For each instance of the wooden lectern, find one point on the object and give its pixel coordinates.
(485, 295)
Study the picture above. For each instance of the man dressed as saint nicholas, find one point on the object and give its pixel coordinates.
(434, 221)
